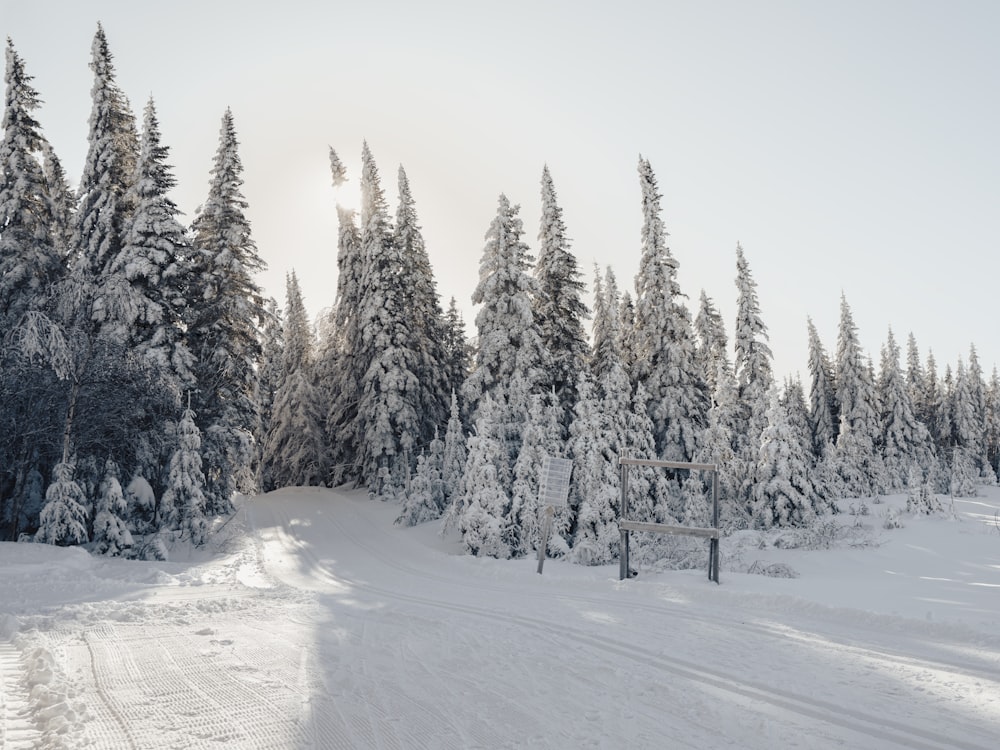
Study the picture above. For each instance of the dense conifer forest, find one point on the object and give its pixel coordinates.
(145, 378)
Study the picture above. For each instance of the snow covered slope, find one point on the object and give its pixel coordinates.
(324, 626)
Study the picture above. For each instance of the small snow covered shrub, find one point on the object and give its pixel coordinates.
(63, 519)
(922, 500)
(772, 570)
(963, 475)
(891, 519)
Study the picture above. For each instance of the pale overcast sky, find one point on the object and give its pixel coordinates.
(849, 146)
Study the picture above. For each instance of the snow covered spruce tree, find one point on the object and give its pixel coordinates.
(184, 501)
(425, 498)
(269, 375)
(428, 330)
(111, 535)
(510, 361)
(509, 341)
(389, 422)
(783, 494)
(63, 199)
(63, 520)
(29, 259)
(823, 418)
(596, 490)
(915, 382)
(558, 309)
(482, 508)
(293, 446)
(992, 423)
(340, 364)
(858, 458)
(906, 444)
(606, 350)
(453, 460)
(626, 331)
(711, 352)
(754, 377)
(970, 415)
(226, 309)
(104, 201)
(664, 344)
(155, 251)
(716, 447)
(458, 353)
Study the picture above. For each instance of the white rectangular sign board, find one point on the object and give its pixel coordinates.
(553, 485)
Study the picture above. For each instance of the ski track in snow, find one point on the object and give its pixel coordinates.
(330, 628)
(880, 728)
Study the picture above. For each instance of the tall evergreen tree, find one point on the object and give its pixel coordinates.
(664, 344)
(716, 446)
(63, 201)
(223, 326)
(454, 452)
(859, 462)
(930, 400)
(754, 375)
(977, 396)
(905, 441)
(712, 341)
(103, 204)
(606, 351)
(627, 332)
(916, 382)
(427, 325)
(269, 380)
(29, 259)
(559, 310)
(823, 418)
(510, 343)
(155, 249)
(341, 357)
(293, 448)
(388, 426)
(458, 353)
(968, 420)
(992, 423)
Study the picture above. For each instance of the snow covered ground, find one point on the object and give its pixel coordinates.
(315, 623)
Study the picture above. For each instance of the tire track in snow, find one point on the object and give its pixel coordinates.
(165, 686)
(17, 730)
(880, 728)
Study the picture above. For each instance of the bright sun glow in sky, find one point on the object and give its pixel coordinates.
(850, 147)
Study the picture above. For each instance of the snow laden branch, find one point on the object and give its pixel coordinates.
(39, 338)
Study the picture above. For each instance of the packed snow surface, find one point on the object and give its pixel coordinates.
(311, 621)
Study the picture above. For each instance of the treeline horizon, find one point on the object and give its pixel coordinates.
(145, 378)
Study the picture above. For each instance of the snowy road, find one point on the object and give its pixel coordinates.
(330, 628)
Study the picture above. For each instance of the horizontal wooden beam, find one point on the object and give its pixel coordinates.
(666, 464)
(662, 528)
